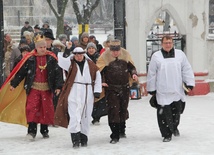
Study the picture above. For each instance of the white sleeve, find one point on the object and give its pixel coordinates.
(187, 72)
(98, 83)
(152, 75)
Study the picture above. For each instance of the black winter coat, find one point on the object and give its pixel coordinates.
(28, 70)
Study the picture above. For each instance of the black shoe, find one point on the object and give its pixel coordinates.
(76, 145)
(45, 135)
(122, 135)
(31, 136)
(167, 139)
(84, 144)
(95, 122)
(114, 141)
(176, 133)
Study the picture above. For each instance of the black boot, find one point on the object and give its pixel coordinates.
(32, 130)
(122, 130)
(44, 130)
(84, 140)
(115, 127)
(75, 137)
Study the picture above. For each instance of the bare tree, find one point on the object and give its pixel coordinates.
(59, 14)
(83, 16)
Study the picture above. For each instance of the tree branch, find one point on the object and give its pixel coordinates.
(64, 7)
(53, 9)
(95, 5)
(77, 11)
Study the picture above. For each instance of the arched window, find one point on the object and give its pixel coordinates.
(211, 17)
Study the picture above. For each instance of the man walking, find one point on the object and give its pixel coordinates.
(116, 66)
(168, 70)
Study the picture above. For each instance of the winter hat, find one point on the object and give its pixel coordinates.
(110, 38)
(91, 37)
(28, 34)
(91, 45)
(78, 50)
(25, 48)
(49, 34)
(62, 36)
(74, 38)
(85, 34)
(46, 23)
(37, 27)
(58, 42)
(115, 45)
(23, 41)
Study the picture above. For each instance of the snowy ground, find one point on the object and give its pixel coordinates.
(143, 136)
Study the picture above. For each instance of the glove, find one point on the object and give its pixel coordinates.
(97, 95)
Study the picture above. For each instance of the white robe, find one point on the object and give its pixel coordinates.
(80, 101)
(166, 76)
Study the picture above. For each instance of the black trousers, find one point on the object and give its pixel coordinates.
(32, 128)
(169, 117)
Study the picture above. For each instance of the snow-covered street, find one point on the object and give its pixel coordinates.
(143, 136)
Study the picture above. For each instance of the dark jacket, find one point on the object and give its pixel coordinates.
(28, 70)
(94, 57)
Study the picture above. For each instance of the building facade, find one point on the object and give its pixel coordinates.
(194, 23)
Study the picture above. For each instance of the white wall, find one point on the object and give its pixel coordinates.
(191, 17)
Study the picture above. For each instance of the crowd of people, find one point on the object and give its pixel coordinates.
(68, 81)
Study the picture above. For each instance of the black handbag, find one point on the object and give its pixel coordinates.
(153, 101)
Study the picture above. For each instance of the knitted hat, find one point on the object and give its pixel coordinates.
(110, 38)
(91, 45)
(62, 36)
(74, 38)
(84, 34)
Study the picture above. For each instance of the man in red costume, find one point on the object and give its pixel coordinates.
(42, 78)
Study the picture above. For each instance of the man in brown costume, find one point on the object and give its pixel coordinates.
(116, 67)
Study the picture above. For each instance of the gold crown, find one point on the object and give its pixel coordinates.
(39, 38)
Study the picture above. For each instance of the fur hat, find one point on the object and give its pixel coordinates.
(78, 50)
(58, 42)
(91, 45)
(28, 34)
(115, 45)
(49, 34)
